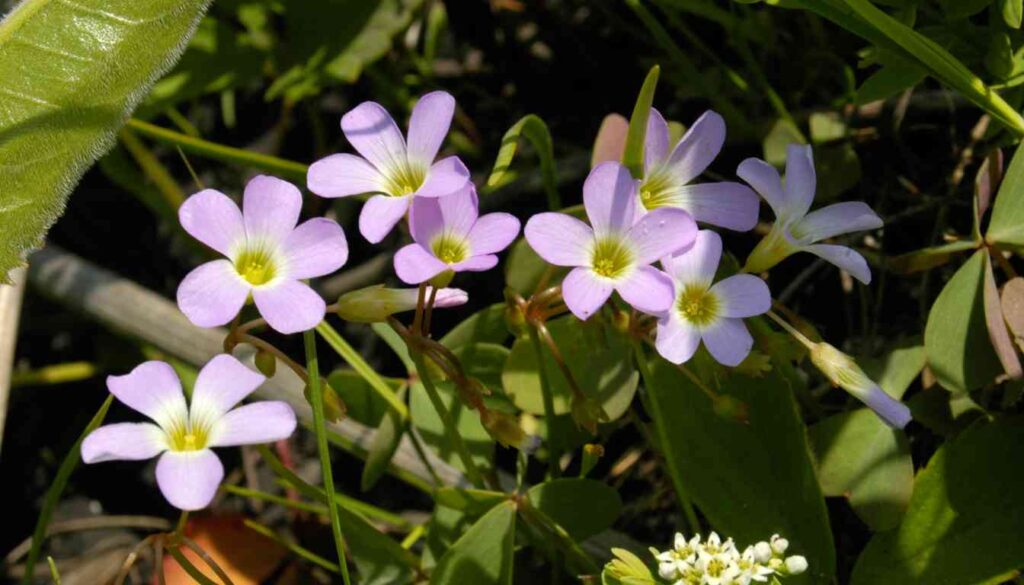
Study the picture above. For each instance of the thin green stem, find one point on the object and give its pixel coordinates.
(275, 499)
(291, 546)
(189, 567)
(316, 398)
(659, 423)
(791, 330)
(179, 528)
(554, 456)
(356, 361)
(446, 417)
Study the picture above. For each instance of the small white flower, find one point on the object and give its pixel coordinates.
(779, 544)
(762, 552)
(796, 564)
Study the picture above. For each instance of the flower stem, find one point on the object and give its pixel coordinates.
(554, 456)
(791, 330)
(446, 417)
(316, 399)
(179, 529)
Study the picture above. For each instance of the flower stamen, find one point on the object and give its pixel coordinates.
(256, 266)
(697, 305)
(611, 258)
(450, 249)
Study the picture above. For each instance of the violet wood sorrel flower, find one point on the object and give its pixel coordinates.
(188, 472)
(616, 253)
(375, 304)
(668, 175)
(710, 312)
(395, 169)
(450, 235)
(796, 230)
(267, 256)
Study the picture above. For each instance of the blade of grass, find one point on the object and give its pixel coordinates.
(356, 361)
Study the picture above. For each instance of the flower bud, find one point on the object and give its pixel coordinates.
(796, 564)
(844, 372)
(772, 249)
(587, 413)
(779, 544)
(591, 454)
(515, 320)
(266, 363)
(620, 321)
(374, 304)
(503, 427)
(762, 552)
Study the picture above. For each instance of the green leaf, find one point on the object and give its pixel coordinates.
(470, 501)
(583, 507)
(783, 133)
(70, 74)
(750, 480)
(532, 128)
(485, 326)
(380, 560)
(524, 269)
(599, 358)
(633, 154)
(383, 446)
(1007, 223)
(927, 258)
(959, 9)
(431, 429)
(862, 459)
(484, 554)
(1012, 11)
(956, 337)
(363, 403)
(890, 80)
(963, 523)
(898, 370)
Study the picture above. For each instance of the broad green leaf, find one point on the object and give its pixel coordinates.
(633, 153)
(783, 133)
(583, 507)
(470, 501)
(599, 358)
(890, 80)
(1007, 223)
(430, 427)
(483, 361)
(70, 75)
(525, 268)
(839, 169)
(958, 9)
(927, 258)
(384, 444)
(1012, 12)
(999, 59)
(943, 412)
(485, 326)
(864, 460)
(955, 337)
(827, 127)
(750, 480)
(484, 554)
(532, 128)
(898, 370)
(963, 523)
(380, 560)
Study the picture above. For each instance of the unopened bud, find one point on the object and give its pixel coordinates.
(591, 454)
(587, 413)
(762, 552)
(515, 320)
(503, 427)
(334, 408)
(266, 363)
(844, 372)
(620, 321)
(374, 304)
(796, 564)
(731, 408)
(779, 544)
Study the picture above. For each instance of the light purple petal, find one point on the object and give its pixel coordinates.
(732, 206)
(445, 177)
(429, 124)
(560, 239)
(845, 258)
(492, 233)
(189, 479)
(800, 179)
(584, 293)
(892, 411)
(449, 297)
(380, 214)
(221, 384)
(270, 208)
(374, 134)
(838, 218)
(123, 441)
(212, 294)
(213, 218)
(153, 389)
(342, 175)
(676, 340)
(453, 214)
(647, 289)
(766, 181)
(290, 306)
(476, 263)
(698, 147)
(662, 232)
(609, 194)
(655, 141)
(415, 264)
(743, 295)
(698, 263)
(252, 424)
(728, 341)
(425, 219)
(317, 247)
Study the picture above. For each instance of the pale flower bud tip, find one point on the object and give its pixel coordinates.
(844, 372)
(796, 564)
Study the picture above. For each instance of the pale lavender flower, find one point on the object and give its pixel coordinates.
(616, 253)
(267, 256)
(712, 313)
(449, 235)
(796, 230)
(188, 472)
(668, 176)
(395, 169)
(375, 304)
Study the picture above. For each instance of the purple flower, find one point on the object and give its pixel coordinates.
(794, 229)
(188, 472)
(267, 256)
(390, 166)
(616, 253)
(710, 312)
(667, 176)
(449, 234)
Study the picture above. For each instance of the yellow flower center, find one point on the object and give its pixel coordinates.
(715, 568)
(449, 248)
(188, 437)
(611, 258)
(256, 266)
(697, 305)
(656, 191)
(406, 179)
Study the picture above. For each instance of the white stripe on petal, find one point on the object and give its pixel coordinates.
(584, 292)
(221, 384)
(374, 134)
(153, 389)
(431, 118)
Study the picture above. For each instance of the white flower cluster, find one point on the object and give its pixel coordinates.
(713, 562)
